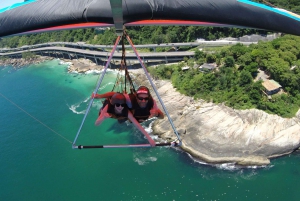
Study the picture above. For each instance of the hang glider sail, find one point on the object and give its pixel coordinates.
(45, 15)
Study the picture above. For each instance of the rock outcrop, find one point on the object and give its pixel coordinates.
(219, 134)
(20, 62)
(82, 65)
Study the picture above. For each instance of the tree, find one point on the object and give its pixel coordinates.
(277, 67)
(252, 68)
(199, 54)
(229, 61)
(245, 59)
(238, 50)
(255, 92)
(210, 58)
(257, 55)
(245, 78)
(28, 55)
(288, 57)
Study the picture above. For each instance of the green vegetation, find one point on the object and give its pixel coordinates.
(28, 55)
(3, 58)
(291, 5)
(139, 35)
(233, 82)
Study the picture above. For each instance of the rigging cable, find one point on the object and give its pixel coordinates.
(127, 78)
(96, 89)
(35, 118)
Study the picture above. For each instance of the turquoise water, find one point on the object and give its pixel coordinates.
(40, 114)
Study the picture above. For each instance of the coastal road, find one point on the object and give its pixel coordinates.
(80, 49)
(82, 45)
(57, 50)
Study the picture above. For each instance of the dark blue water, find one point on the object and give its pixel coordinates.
(41, 109)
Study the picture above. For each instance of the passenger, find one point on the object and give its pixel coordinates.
(116, 108)
(113, 108)
(141, 104)
(110, 94)
(144, 106)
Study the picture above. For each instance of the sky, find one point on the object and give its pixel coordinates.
(6, 3)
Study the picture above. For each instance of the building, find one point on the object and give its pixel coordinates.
(207, 67)
(185, 68)
(271, 87)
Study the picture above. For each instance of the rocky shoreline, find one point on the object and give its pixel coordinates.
(80, 65)
(211, 132)
(20, 62)
(219, 134)
(215, 133)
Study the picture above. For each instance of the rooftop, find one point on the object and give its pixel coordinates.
(209, 66)
(271, 85)
(185, 68)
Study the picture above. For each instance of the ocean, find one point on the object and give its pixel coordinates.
(41, 109)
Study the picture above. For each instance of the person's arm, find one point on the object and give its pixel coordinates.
(103, 115)
(160, 114)
(156, 112)
(139, 126)
(105, 95)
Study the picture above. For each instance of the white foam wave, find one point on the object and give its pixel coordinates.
(74, 72)
(64, 63)
(86, 100)
(114, 71)
(144, 161)
(92, 72)
(74, 107)
(226, 166)
(149, 128)
(104, 86)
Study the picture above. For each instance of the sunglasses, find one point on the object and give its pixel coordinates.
(140, 98)
(118, 105)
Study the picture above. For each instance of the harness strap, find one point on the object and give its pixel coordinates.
(127, 77)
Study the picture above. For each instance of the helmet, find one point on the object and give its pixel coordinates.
(118, 98)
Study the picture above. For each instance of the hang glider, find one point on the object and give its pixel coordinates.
(48, 15)
(123, 66)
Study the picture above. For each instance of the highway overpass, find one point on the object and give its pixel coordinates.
(99, 56)
(100, 52)
(82, 45)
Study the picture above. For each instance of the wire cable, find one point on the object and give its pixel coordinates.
(35, 118)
